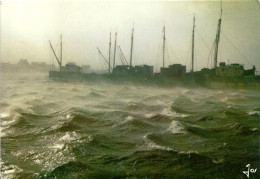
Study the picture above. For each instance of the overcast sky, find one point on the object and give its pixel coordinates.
(26, 27)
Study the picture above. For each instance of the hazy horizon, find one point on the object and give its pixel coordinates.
(27, 26)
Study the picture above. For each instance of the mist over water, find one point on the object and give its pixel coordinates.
(81, 130)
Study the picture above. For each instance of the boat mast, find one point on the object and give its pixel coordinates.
(192, 55)
(115, 51)
(55, 55)
(60, 51)
(104, 58)
(163, 44)
(217, 40)
(109, 54)
(122, 54)
(131, 50)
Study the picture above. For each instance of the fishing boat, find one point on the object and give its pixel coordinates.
(126, 72)
(71, 71)
(220, 76)
(224, 75)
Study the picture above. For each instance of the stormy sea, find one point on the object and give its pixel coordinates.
(61, 129)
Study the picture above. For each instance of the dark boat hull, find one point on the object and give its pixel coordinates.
(197, 81)
(76, 76)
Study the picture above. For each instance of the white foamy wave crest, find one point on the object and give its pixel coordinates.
(122, 122)
(68, 116)
(254, 113)
(149, 115)
(5, 123)
(57, 146)
(189, 152)
(3, 134)
(167, 112)
(175, 127)
(8, 171)
(151, 145)
(3, 115)
(67, 138)
(127, 119)
(218, 160)
(90, 138)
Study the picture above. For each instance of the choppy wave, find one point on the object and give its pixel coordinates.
(86, 130)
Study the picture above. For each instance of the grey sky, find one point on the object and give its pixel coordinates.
(26, 27)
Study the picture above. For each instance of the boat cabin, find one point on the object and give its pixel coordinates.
(174, 71)
(232, 70)
(71, 67)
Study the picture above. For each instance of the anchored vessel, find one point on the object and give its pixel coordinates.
(224, 75)
(68, 71)
(71, 71)
(126, 71)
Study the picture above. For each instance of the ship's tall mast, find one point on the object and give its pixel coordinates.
(122, 54)
(217, 41)
(192, 54)
(115, 51)
(131, 50)
(109, 66)
(60, 51)
(55, 55)
(163, 44)
(104, 58)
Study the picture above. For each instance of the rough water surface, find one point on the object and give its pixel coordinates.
(54, 129)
